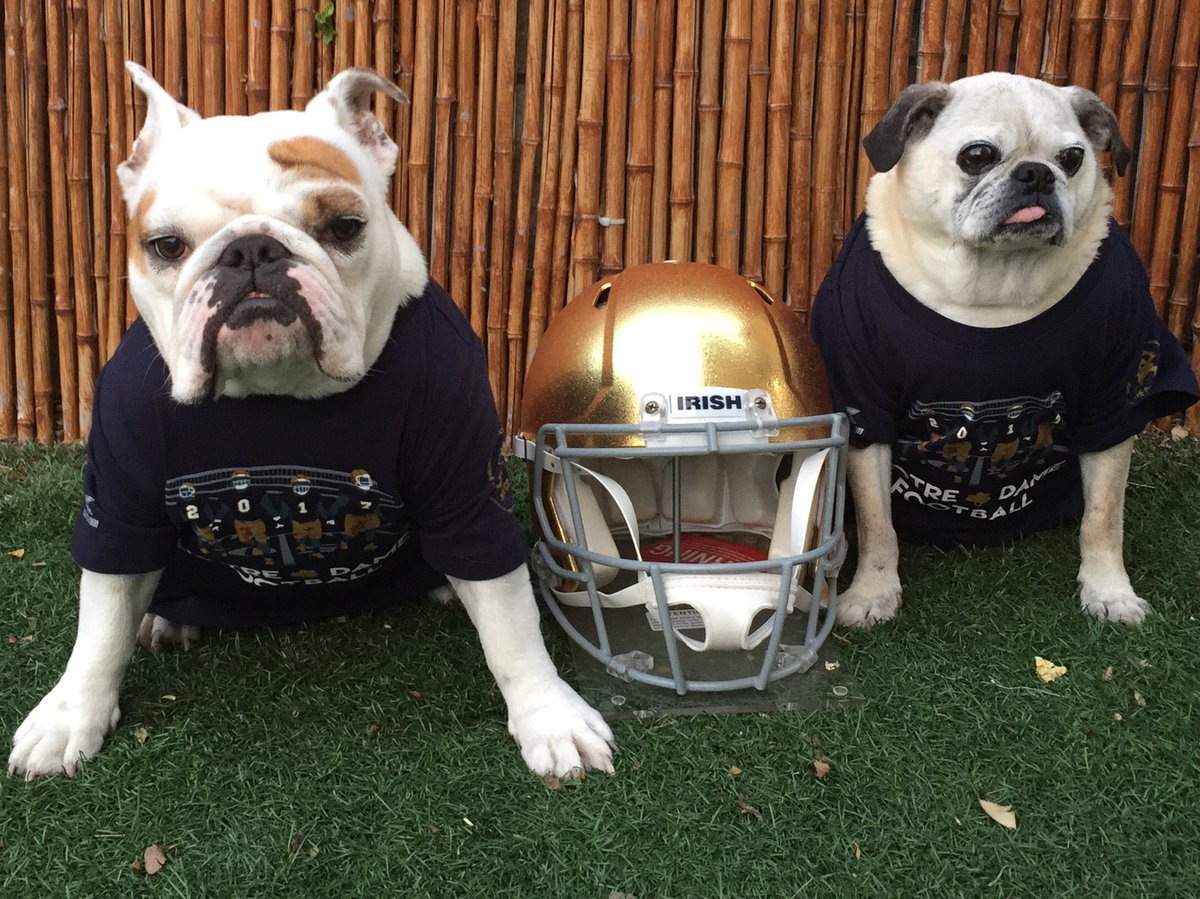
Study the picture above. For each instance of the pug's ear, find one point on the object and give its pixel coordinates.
(164, 115)
(347, 98)
(1100, 125)
(910, 117)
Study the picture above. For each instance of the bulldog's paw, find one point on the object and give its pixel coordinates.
(557, 731)
(68, 726)
(868, 601)
(1118, 604)
(156, 634)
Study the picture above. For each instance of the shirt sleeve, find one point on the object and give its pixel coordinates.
(1145, 373)
(851, 349)
(456, 481)
(122, 527)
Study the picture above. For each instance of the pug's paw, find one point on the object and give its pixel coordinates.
(68, 726)
(1118, 604)
(156, 634)
(870, 599)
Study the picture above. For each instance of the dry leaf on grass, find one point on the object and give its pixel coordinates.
(1179, 432)
(821, 767)
(169, 697)
(1047, 670)
(832, 666)
(734, 770)
(141, 735)
(154, 859)
(1139, 698)
(17, 553)
(1001, 814)
(1107, 675)
(296, 842)
(857, 850)
(747, 809)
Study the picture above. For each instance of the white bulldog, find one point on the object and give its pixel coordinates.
(278, 293)
(990, 332)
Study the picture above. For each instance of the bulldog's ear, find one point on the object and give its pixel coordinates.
(1101, 126)
(911, 116)
(348, 99)
(164, 115)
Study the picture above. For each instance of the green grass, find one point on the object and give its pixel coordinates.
(382, 742)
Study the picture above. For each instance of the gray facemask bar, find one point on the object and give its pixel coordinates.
(827, 558)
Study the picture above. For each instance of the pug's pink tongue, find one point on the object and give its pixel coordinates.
(1026, 215)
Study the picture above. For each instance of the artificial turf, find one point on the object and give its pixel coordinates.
(370, 757)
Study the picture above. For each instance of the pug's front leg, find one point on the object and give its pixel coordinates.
(874, 594)
(1104, 588)
(558, 732)
(72, 720)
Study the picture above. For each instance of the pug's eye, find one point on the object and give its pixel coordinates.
(975, 159)
(1071, 159)
(169, 247)
(345, 228)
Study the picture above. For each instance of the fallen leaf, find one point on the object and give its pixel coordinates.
(1117, 716)
(468, 822)
(154, 858)
(296, 842)
(747, 809)
(734, 770)
(636, 766)
(38, 565)
(832, 666)
(12, 639)
(17, 553)
(1143, 663)
(28, 638)
(135, 865)
(1107, 675)
(1047, 670)
(313, 851)
(169, 697)
(414, 694)
(374, 729)
(822, 768)
(1179, 432)
(857, 850)
(1001, 814)
(141, 735)
(1139, 698)
(622, 896)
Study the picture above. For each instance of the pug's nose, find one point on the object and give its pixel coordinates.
(252, 251)
(1037, 177)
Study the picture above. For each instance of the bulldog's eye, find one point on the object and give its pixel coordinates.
(976, 158)
(169, 248)
(1071, 159)
(345, 228)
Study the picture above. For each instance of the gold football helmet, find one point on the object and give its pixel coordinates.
(685, 468)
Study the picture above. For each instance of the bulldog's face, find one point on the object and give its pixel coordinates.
(262, 253)
(997, 160)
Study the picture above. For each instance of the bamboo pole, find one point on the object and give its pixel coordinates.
(86, 337)
(826, 141)
(933, 46)
(1129, 100)
(1058, 33)
(779, 114)
(683, 135)
(476, 270)
(64, 299)
(535, 55)
(18, 217)
(382, 57)
(98, 159)
(1112, 39)
(325, 56)
(1171, 172)
(979, 37)
(463, 157)
(364, 35)
(303, 53)
(439, 251)
(278, 65)
(173, 44)
(212, 57)
(405, 63)
(343, 39)
(1085, 37)
(114, 57)
(500, 269)
(193, 24)
(1031, 37)
(612, 254)
(421, 123)
(639, 168)
(754, 205)
(1007, 20)
(804, 78)
(37, 246)
(560, 262)
(258, 57)
(856, 27)
(554, 89)
(956, 14)
(904, 25)
(875, 99)
(586, 264)
(660, 184)
(9, 346)
(1154, 111)
(1183, 291)
(235, 57)
(708, 122)
(731, 152)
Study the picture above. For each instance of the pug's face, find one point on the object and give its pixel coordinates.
(997, 160)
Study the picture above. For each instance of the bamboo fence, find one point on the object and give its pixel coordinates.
(552, 142)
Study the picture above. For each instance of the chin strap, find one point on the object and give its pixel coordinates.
(727, 603)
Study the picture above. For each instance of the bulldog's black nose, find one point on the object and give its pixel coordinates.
(252, 251)
(1037, 177)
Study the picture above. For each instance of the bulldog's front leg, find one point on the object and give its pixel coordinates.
(72, 720)
(1104, 588)
(874, 594)
(557, 731)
